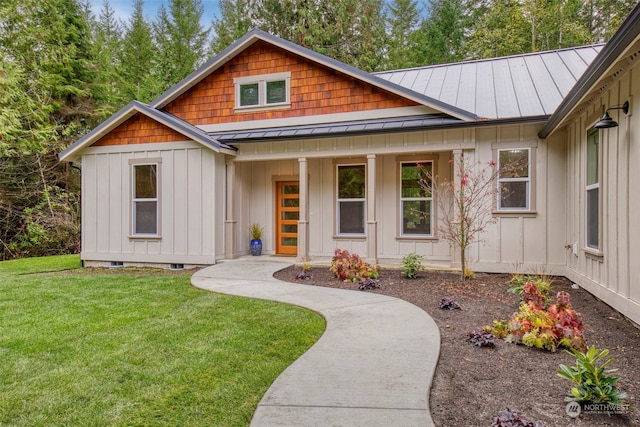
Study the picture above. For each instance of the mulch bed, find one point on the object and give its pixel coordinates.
(472, 385)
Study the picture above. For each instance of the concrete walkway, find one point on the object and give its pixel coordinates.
(372, 366)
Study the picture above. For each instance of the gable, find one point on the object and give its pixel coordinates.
(139, 129)
(315, 89)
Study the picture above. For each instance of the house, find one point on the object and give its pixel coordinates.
(323, 154)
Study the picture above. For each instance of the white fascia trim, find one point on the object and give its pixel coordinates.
(320, 119)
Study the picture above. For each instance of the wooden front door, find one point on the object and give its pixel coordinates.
(287, 216)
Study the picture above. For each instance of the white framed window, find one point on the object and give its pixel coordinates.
(416, 198)
(514, 179)
(263, 91)
(145, 200)
(592, 191)
(351, 199)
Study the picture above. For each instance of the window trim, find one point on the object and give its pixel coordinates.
(526, 180)
(590, 187)
(402, 199)
(530, 211)
(262, 80)
(338, 234)
(133, 163)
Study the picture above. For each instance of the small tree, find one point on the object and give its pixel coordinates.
(465, 204)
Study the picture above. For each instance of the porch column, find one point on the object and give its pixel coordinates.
(458, 156)
(230, 226)
(303, 221)
(372, 229)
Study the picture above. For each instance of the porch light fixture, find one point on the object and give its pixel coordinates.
(606, 121)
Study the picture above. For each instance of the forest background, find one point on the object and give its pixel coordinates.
(64, 69)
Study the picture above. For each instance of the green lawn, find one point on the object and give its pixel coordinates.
(129, 349)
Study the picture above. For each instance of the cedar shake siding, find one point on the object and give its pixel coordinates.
(140, 129)
(315, 90)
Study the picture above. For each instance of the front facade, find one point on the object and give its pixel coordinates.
(326, 156)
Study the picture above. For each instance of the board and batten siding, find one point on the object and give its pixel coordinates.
(528, 241)
(613, 273)
(190, 219)
(525, 242)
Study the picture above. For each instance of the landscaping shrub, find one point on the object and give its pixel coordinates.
(368, 283)
(351, 268)
(592, 384)
(531, 288)
(507, 418)
(539, 326)
(412, 264)
(449, 304)
(482, 339)
(469, 273)
(304, 274)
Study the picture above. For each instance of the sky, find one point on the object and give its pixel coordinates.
(124, 9)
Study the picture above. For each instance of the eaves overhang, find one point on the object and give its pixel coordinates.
(131, 109)
(628, 32)
(255, 35)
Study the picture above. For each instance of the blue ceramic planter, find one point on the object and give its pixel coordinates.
(256, 247)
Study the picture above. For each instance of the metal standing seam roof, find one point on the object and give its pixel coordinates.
(396, 124)
(519, 86)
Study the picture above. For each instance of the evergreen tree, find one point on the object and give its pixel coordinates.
(404, 19)
(180, 39)
(351, 31)
(137, 59)
(441, 36)
(499, 29)
(234, 22)
(107, 45)
(48, 46)
(48, 101)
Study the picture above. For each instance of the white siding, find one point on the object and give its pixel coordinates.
(191, 203)
(614, 274)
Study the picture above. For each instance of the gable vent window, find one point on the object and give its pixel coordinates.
(268, 91)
